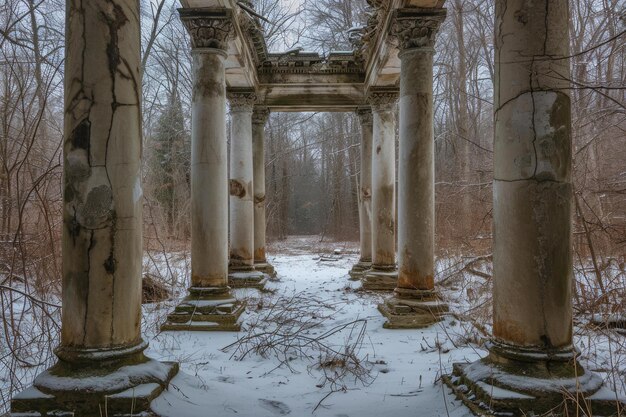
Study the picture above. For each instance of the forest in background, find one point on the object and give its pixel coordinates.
(312, 160)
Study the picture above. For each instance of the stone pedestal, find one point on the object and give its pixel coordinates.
(383, 275)
(210, 30)
(532, 366)
(206, 309)
(412, 309)
(259, 119)
(101, 358)
(415, 302)
(365, 195)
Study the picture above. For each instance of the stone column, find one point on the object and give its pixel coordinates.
(531, 352)
(415, 302)
(102, 244)
(259, 119)
(209, 306)
(384, 274)
(241, 267)
(365, 194)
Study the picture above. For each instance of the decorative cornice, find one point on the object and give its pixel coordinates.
(260, 115)
(417, 27)
(365, 115)
(241, 100)
(383, 99)
(208, 27)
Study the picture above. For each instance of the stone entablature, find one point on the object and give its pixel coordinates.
(311, 62)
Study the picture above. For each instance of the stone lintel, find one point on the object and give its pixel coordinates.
(208, 27)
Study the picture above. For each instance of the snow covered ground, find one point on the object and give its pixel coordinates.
(398, 370)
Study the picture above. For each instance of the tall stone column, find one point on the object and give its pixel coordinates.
(259, 119)
(102, 244)
(384, 274)
(531, 352)
(241, 267)
(209, 306)
(365, 194)
(415, 302)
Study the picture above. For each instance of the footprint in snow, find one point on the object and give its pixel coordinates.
(275, 407)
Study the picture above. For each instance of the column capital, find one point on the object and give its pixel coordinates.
(365, 115)
(241, 100)
(382, 99)
(209, 28)
(417, 27)
(260, 115)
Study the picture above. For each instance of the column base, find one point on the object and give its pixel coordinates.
(380, 279)
(267, 269)
(359, 269)
(412, 309)
(247, 279)
(206, 309)
(116, 388)
(532, 384)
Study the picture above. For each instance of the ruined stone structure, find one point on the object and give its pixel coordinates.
(532, 360)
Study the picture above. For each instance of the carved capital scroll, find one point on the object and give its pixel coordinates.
(260, 115)
(418, 27)
(382, 99)
(365, 115)
(241, 100)
(208, 27)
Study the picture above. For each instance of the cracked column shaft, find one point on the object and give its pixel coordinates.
(241, 181)
(102, 233)
(365, 191)
(209, 169)
(416, 29)
(384, 182)
(383, 274)
(259, 119)
(532, 177)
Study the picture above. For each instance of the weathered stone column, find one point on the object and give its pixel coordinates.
(259, 119)
(365, 194)
(241, 267)
(384, 274)
(102, 224)
(415, 302)
(531, 352)
(209, 306)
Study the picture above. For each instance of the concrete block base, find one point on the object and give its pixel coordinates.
(206, 309)
(380, 280)
(267, 269)
(63, 391)
(490, 389)
(251, 279)
(359, 269)
(421, 310)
